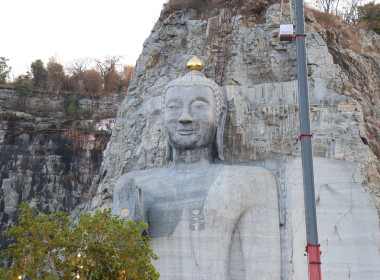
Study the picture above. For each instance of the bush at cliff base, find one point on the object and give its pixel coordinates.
(99, 246)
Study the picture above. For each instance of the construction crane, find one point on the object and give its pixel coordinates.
(312, 247)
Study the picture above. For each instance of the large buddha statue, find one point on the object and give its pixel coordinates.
(206, 220)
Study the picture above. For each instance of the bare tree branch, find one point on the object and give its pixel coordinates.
(106, 68)
(78, 67)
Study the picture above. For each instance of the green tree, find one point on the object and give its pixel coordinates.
(23, 85)
(41, 248)
(40, 74)
(4, 70)
(100, 246)
(369, 16)
(70, 106)
(80, 87)
(112, 248)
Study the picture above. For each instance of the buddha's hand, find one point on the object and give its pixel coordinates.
(128, 201)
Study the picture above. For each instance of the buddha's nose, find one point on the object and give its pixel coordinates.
(185, 117)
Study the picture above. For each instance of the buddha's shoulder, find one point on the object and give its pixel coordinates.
(153, 174)
(246, 174)
(243, 169)
(243, 185)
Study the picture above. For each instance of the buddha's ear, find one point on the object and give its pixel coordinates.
(169, 150)
(220, 132)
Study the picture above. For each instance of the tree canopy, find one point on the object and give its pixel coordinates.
(4, 70)
(107, 76)
(99, 246)
(369, 16)
(39, 73)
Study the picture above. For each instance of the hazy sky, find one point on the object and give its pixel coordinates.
(71, 29)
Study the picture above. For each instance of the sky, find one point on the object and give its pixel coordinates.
(73, 29)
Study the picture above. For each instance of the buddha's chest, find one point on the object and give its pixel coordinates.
(171, 203)
(198, 201)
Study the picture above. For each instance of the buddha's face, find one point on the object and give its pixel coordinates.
(190, 117)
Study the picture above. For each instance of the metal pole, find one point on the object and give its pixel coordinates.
(312, 247)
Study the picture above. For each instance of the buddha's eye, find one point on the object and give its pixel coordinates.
(173, 105)
(199, 104)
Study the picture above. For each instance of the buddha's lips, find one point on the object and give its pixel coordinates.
(185, 131)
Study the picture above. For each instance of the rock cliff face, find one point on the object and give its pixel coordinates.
(257, 74)
(46, 157)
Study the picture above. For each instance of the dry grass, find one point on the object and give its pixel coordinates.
(256, 9)
(196, 4)
(211, 4)
(351, 39)
(249, 8)
(69, 176)
(6, 86)
(326, 19)
(350, 33)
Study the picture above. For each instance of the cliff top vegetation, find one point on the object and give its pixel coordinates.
(81, 76)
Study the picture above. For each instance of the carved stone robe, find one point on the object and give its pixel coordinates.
(216, 223)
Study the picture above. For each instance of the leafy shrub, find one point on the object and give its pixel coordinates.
(44, 112)
(4, 70)
(100, 246)
(23, 84)
(369, 16)
(40, 74)
(70, 106)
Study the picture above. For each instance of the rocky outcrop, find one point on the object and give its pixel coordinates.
(363, 86)
(49, 155)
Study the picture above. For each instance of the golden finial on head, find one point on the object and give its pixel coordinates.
(195, 64)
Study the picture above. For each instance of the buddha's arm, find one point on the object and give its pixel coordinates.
(260, 247)
(260, 233)
(127, 199)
